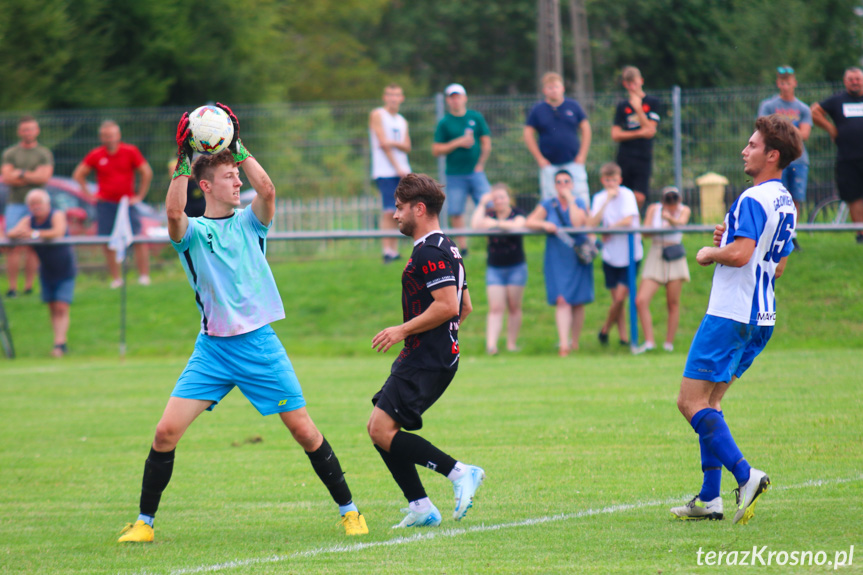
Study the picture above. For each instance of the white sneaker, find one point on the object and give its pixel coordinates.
(646, 346)
(430, 518)
(748, 493)
(117, 283)
(144, 280)
(668, 346)
(697, 510)
(464, 488)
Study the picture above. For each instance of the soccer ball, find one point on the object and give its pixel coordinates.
(212, 129)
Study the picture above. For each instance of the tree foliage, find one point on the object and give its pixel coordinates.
(122, 53)
(710, 43)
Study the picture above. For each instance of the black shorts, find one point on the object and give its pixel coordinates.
(849, 179)
(615, 276)
(106, 213)
(409, 392)
(636, 174)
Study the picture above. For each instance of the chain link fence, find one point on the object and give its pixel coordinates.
(318, 153)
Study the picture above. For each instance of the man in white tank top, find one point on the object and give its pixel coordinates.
(390, 144)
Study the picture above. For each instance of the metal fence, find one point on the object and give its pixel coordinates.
(319, 152)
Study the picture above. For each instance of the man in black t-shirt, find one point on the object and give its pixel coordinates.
(846, 111)
(635, 121)
(434, 301)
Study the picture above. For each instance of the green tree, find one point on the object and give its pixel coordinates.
(487, 46)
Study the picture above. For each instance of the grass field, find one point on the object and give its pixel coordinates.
(583, 460)
(584, 455)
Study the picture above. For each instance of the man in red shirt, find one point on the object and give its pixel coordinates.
(116, 164)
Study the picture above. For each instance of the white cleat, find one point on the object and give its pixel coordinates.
(464, 488)
(748, 494)
(697, 510)
(430, 518)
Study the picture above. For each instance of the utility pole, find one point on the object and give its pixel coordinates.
(549, 56)
(581, 44)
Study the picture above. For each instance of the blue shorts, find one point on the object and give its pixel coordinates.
(794, 179)
(61, 290)
(614, 276)
(106, 213)
(14, 213)
(723, 348)
(506, 276)
(256, 362)
(387, 187)
(458, 188)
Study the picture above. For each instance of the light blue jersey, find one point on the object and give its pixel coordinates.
(226, 265)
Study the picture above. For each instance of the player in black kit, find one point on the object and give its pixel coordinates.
(435, 300)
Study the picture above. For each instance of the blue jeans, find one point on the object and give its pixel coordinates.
(794, 179)
(579, 181)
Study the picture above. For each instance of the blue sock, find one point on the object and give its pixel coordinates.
(148, 519)
(712, 468)
(716, 437)
(349, 507)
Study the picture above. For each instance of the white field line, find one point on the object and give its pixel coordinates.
(456, 531)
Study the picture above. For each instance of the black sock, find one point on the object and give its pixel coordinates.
(414, 448)
(326, 465)
(157, 474)
(405, 474)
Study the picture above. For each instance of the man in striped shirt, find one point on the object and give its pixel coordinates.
(751, 248)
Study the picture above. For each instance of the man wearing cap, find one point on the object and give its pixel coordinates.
(786, 104)
(846, 129)
(463, 137)
(558, 121)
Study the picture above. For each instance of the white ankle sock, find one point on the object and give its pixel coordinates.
(458, 471)
(420, 505)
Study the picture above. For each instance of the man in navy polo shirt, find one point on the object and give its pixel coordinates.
(564, 138)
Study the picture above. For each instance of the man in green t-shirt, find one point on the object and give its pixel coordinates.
(463, 137)
(26, 166)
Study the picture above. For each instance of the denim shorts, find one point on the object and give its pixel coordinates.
(106, 213)
(458, 188)
(14, 213)
(794, 179)
(387, 187)
(723, 348)
(507, 276)
(614, 276)
(578, 172)
(61, 290)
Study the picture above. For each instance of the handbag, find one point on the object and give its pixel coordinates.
(585, 250)
(673, 252)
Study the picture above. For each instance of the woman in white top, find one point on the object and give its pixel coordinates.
(659, 271)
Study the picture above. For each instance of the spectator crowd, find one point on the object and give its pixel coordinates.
(557, 134)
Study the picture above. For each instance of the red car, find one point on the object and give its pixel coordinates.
(81, 209)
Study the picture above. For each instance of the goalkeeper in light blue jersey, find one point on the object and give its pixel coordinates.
(223, 254)
(751, 248)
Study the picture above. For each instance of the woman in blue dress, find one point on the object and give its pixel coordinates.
(568, 282)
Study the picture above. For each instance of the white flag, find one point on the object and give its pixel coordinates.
(121, 235)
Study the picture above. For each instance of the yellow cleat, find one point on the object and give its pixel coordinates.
(354, 523)
(140, 532)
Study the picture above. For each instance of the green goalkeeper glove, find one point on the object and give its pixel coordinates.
(236, 146)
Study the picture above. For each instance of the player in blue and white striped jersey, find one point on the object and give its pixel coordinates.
(751, 248)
